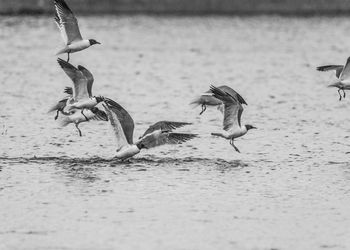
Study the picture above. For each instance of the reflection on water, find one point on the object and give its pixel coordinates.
(288, 189)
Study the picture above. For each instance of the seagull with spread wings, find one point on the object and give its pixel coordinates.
(343, 76)
(158, 134)
(82, 91)
(68, 25)
(233, 110)
(208, 99)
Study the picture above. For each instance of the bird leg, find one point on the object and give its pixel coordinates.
(234, 146)
(57, 114)
(76, 125)
(343, 93)
(68, 57)
(204, 108)
(84, 115)
(339, 95)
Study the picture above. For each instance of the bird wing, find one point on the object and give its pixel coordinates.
(80, 82)
(345, 74)
(67, 23)
(100, 115)
(126, 121)
(338, 69)
(157, 138)
(116, 126)
(89, 77)
(232, 108)
(165, 125)
(233, 93)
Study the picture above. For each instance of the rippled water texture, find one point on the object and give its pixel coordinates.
(288, 189)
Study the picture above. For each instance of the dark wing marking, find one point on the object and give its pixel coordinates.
(233, 93)
(165, 125)
(89, 77)
(68, 90)
(158, 138)
(124, 118)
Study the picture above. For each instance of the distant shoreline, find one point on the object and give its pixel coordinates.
(182, 7)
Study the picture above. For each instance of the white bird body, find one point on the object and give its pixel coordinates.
(232, 133)
(84, 103)
(127, 151)
(75, 47)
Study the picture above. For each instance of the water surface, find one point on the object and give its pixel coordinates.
(288, 189)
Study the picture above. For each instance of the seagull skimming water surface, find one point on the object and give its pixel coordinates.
(158, 134)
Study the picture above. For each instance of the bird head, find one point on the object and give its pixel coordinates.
(248, 127)
(93, 41)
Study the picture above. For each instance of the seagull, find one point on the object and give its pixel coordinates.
(158, 134)
(232, 116)
(81, 93)
(343, 76)
(207, 99)
(68, 25)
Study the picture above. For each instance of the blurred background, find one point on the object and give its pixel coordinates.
(301, 7)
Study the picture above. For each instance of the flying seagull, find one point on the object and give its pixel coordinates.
(68, 25)
(82, 92)
(233, 109)
(343, 76)
(158, 134)
(207, 98)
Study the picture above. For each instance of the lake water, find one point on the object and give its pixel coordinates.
(288, 189)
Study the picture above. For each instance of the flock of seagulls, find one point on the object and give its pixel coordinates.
(81, 106)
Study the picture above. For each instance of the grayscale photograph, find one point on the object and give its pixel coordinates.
(174, 125)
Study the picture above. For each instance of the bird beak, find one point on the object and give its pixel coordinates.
(98, 42)
(254, 128)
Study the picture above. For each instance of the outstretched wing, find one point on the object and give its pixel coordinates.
(79, 80)
(165, 126)
(338, 69)
(158, 138)
(66, 22)
(89, 77)
(345, 74)
(126, 121)
(116, 126)
(232, 109)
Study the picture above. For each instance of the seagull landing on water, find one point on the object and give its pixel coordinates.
(68, 25)
(343, 76)
(232, 116)
(207, 98)
(158, 134)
